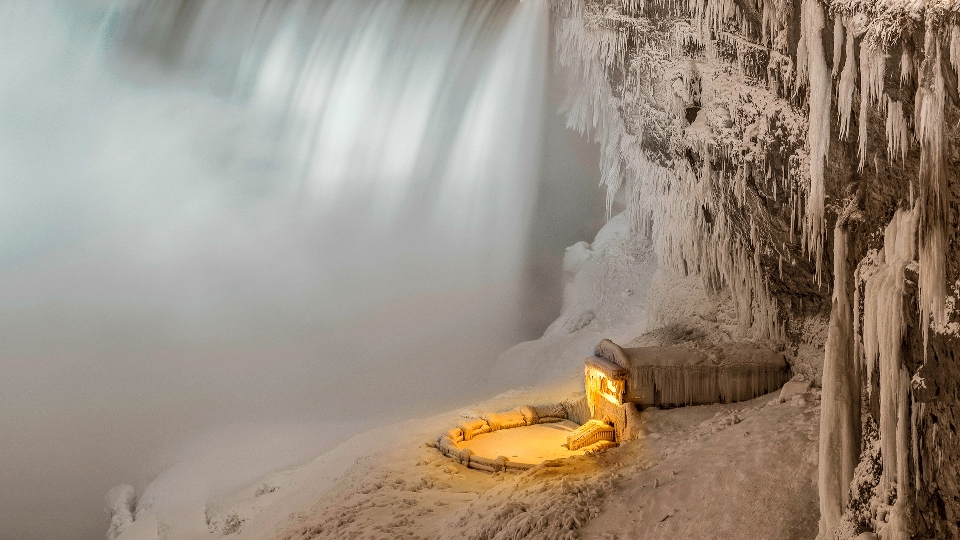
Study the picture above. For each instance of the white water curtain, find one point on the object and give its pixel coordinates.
(204, 204)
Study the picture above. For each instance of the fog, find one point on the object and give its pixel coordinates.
(251, 229)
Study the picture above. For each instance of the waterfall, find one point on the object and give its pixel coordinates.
(217, 213)
(418, 117)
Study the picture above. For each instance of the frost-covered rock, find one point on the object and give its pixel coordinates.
(792, 389)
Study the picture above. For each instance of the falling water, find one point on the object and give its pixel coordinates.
(249, 229)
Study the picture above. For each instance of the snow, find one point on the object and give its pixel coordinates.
(679, 480)
(387, 483)
(121, 501)
(685, 479)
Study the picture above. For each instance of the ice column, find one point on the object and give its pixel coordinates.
(883, 331)
(840, 408)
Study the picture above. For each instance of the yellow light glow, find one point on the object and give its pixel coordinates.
(610, 398)
(601, 384)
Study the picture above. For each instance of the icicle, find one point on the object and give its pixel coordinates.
(933, 186)
(814, 69)
(848, 80)
(871, 345)
(899, 525)
(802, 45)
(906, 66)
(872, 73)
(872, 66)
(837, 44)
(898, 136)
(768, 27)
(840, 404)
(883, 331)
(955, 50)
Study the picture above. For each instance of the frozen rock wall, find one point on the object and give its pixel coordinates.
(741, 134)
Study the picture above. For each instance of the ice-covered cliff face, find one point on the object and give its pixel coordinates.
(748, 138)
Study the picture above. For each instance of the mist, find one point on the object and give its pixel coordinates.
(232, 236)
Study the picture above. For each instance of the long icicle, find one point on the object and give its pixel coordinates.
(840, 403)
(933, 182)
(813, 68)
(883, 328)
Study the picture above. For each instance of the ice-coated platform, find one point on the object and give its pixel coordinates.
(528, 444)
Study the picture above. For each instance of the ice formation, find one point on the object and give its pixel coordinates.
(898, 132)
(933, 190)
(684, 205)
(812, 68)
(884, 326)
(848, 80)
(872, 64)
(721, 147)
(955, 49)
(906, 66)
(840, 403)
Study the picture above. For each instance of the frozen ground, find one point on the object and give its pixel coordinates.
(733, 471)
(736, 471)
(723, 471)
